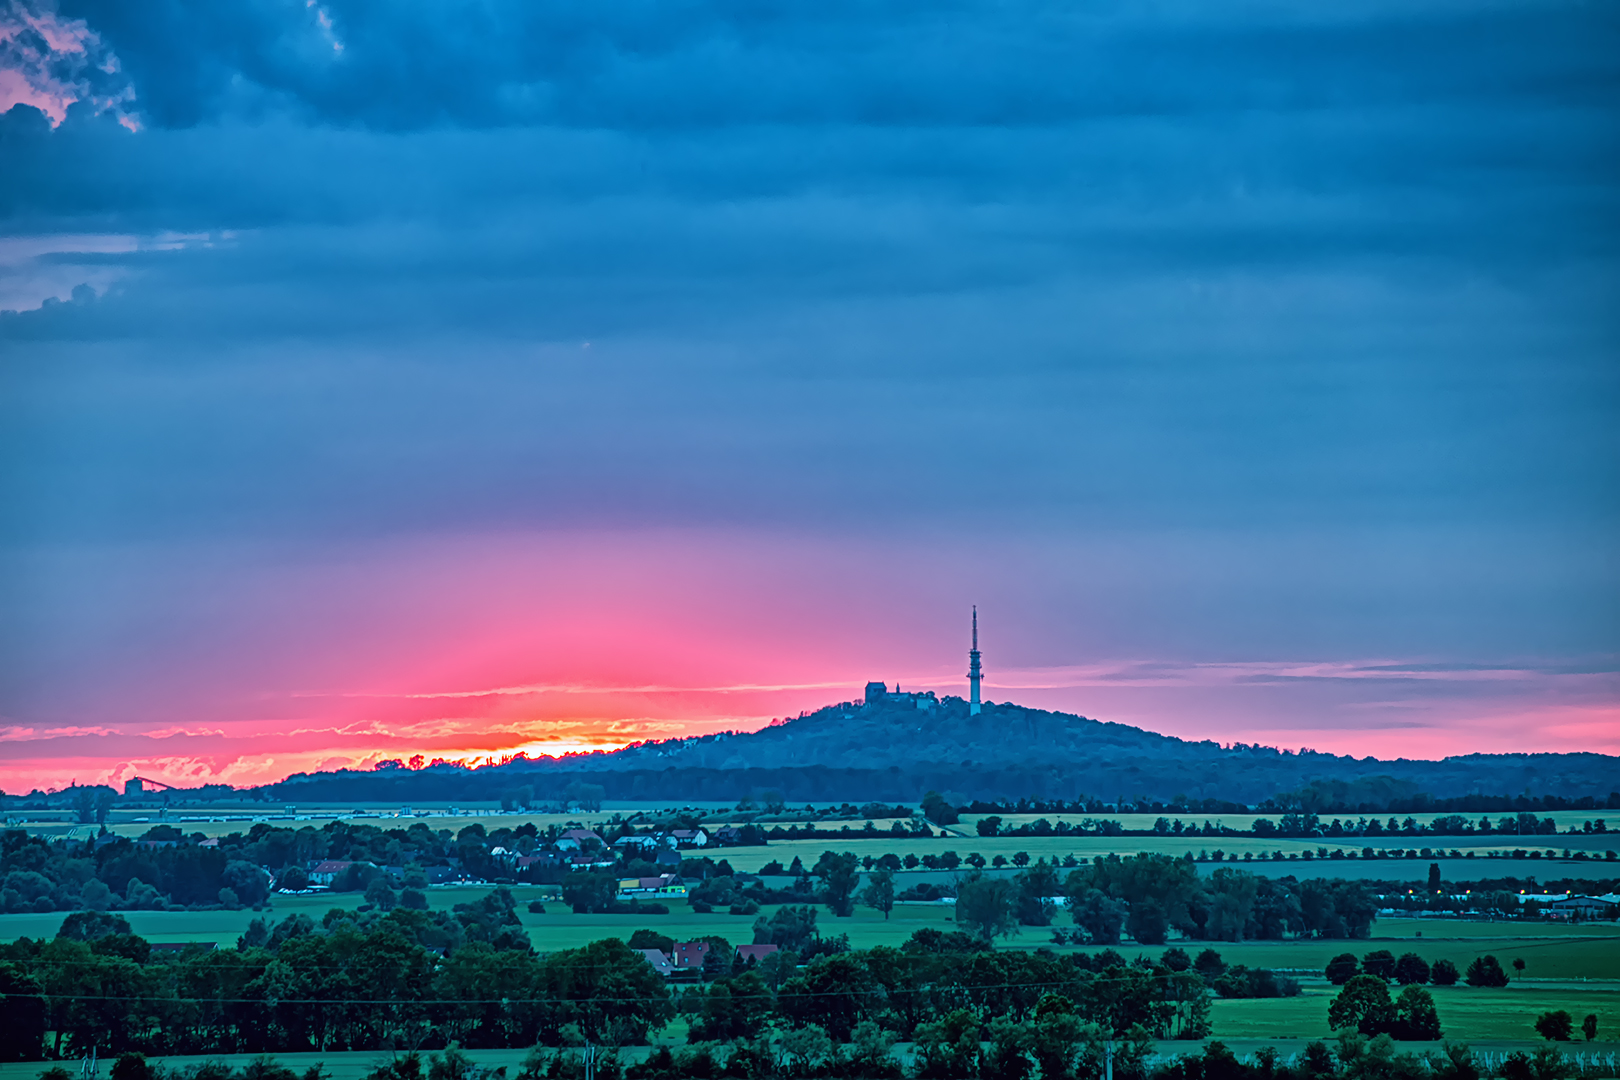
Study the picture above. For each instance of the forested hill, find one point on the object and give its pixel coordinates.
(895, 751)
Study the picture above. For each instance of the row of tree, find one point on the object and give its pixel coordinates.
(1146, 896)
(363, 980)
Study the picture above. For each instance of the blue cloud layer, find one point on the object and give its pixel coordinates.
(1324, 294)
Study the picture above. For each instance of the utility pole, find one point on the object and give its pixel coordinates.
(1108, 1060)
(590, 1062)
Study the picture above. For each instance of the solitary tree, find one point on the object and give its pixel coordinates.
(879, 891)
(839, 875)
(937, 810)
(987, 906)
(1556, 1026)
(1589, 1026)
(1486, 971)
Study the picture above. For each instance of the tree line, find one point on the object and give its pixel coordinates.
(364, 980)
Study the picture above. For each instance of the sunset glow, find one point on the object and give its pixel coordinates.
(670, 370)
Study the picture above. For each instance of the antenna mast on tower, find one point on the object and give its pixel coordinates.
(975, 673)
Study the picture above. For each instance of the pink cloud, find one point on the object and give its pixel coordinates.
(51, 63)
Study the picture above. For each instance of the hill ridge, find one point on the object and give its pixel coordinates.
(895, 750)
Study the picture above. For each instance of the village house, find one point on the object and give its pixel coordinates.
(580, 840)
(636, 842)
(586, 860)
(689, 955)
(659, 960)
(328, 871)
(662, 887)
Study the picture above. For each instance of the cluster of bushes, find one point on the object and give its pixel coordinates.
(1409, 970)
(1364, 1005)
(1412, 970)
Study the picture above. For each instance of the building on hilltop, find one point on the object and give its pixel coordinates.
(878, 694)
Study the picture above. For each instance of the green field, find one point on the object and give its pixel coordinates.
(1467, 1014)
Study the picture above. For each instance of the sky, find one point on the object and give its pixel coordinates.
(465, 379)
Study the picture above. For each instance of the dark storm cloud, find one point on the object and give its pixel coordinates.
(414, 65)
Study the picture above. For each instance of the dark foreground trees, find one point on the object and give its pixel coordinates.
(363, 980)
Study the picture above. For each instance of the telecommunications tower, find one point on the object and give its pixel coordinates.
(974, 671)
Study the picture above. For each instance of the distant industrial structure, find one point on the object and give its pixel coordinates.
(139, 785)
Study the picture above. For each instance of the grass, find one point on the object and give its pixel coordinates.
(1467, 1014)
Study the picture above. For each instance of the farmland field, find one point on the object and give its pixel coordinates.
(1467, 1014)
